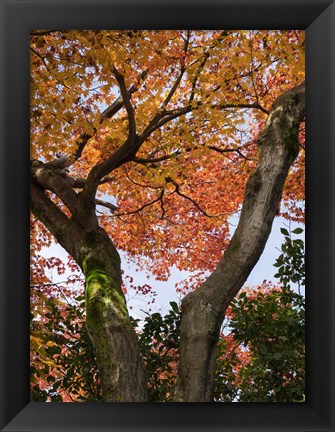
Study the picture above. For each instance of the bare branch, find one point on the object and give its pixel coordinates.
(155, 160)
(112, 109)
(76, 183)
(41, 58)
(241, 105)
(110, 206)
(139, 184)
(159, 120)
(33, 222)
(107, 180)
(162, 208)
(166, 116)
(173, 88)
(159, 198)
(230, 150)
(48, 213)
(177, 190)
(50, 180)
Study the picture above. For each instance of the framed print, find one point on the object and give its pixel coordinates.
(23, 409)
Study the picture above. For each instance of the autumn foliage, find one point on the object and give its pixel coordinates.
(194, 103)
(71, 83)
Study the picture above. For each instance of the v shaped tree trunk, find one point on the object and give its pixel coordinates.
(108, 323)
(203, 310)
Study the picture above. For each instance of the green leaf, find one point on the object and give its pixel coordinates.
(174, 307)
(56, 385)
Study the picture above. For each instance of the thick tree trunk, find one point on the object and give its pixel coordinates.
(114, 339)
(203, 310)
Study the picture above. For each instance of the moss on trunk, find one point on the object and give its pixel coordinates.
(109, 327)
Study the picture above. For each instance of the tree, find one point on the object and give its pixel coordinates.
(147, 141)
(270, 326)
(261, 349)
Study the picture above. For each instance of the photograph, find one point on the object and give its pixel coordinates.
(167, 199)
(175, 240)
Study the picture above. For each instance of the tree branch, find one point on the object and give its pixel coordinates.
(232, 150)
(180, 76)
(166, 116)
(53, 218)
(69, 160)
(240, 105)
(177, 190)
(127, 104)
(41, 58)
(139, 184)
(159, 120)
(110, 206)
(155, 160)
(127, 151)
(159, 198)
(49, 179)
(203, 62)
(123, 154)
(278, 148)
(118, 104)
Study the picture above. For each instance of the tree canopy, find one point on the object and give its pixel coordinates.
(148, 142)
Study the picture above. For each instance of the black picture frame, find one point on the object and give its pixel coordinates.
(18, 17)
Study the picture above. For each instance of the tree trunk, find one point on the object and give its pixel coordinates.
(113, 337)
(203, 310)
(109, 327)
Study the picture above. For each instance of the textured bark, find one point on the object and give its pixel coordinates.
(114, 339)
(203, 310)
(108, 323)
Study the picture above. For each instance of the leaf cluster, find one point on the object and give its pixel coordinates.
(271, 326)
(291, 262)
(159, 344)
(69, 369)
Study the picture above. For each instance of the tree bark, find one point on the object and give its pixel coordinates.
(203, 310)
(108, 323)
